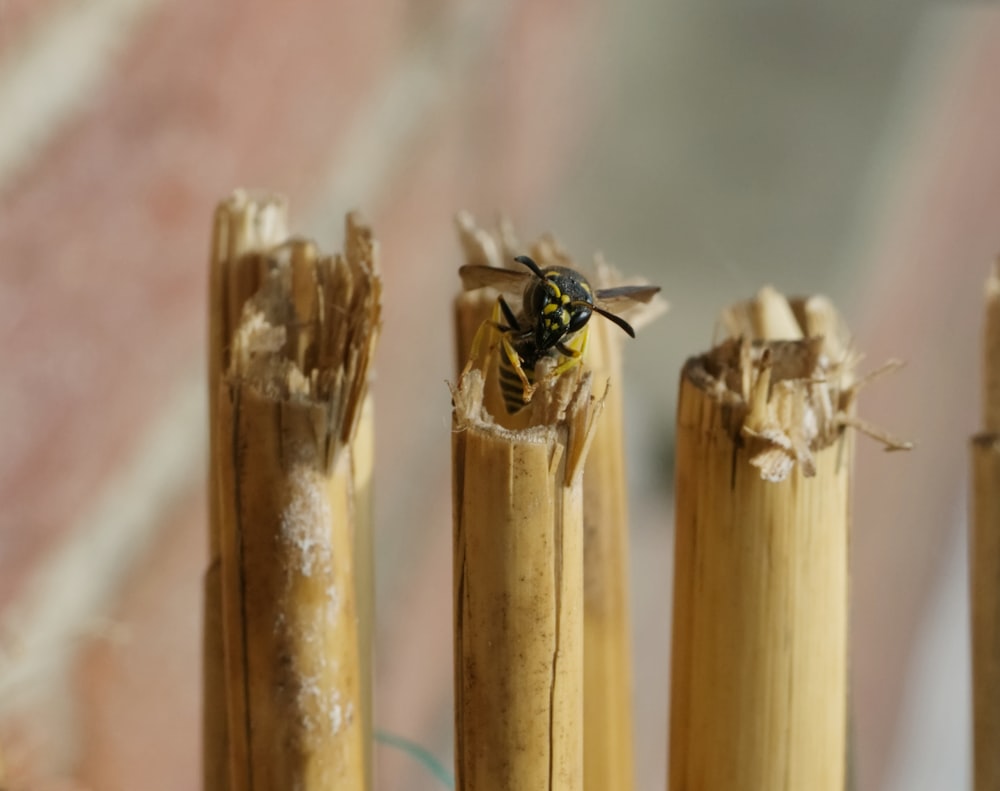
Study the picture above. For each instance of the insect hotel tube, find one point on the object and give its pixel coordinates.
(518, 567)
(245, 227)
(763, 476)
(984, 559)
(608, 761)
(518, 594)
(291, 457)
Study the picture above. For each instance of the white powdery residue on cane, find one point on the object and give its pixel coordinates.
(336, 712)
(332, 604)
(305, 523)
(309, 691)
(340, 716)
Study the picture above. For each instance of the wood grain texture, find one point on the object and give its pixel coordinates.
(245, 227)
(518, 596)
(607, 690)
(291, 496)
(759, 669)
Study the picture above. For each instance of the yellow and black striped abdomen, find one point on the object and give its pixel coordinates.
(516, 358)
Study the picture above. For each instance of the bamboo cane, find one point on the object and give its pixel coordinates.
(607, 639)
(518, 593)
(608, 758)
(293, 481)
(759, 670)
(245, 225)
(518, 563)
(984, 559)
(362, 470)
(608, 706)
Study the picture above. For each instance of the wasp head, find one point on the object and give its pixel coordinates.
(560, 303)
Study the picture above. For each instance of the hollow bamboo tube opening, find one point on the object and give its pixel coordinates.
(984, 559)
(759, 668)
(292, 481)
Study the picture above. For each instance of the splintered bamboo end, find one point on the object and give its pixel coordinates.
(759, 666)
(786, 376)
(309, 333)
(296, 332)
(571, 417)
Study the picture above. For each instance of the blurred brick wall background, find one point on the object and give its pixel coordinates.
(843, 149)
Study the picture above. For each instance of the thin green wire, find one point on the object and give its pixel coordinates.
(419, 754)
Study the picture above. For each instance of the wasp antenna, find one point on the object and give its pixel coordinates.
(617, 320)
(530, 263)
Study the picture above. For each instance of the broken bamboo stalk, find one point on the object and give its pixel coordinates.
(289, 469)
(984, 558)
(245, 226)
(608, 757)
(518, 565)
(518, 595)
(759, 668)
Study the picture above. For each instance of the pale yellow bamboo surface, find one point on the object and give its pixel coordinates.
(518, 596)
(759, 667)
(608, 709)
(607, 639)
(363, 490)
(984, 559)
(292, 453)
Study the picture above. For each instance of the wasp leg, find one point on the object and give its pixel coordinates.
(508, 348)
(492, 323)
(573, 355)
(528, 389)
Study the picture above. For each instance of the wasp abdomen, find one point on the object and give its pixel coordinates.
(511, 386)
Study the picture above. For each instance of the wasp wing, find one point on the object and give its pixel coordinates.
(620, 297)
(478, 276)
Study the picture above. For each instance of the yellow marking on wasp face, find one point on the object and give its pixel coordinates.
(565, 299)
(552, 306)
(586, 286)
(556, 292)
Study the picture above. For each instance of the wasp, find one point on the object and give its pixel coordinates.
(556, 305)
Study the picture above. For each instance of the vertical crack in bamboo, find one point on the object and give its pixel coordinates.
(984, 557)
(518, 559)
(518, 563)
(759, 673)
(291, 497)
(608, 759)
(244, 225)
